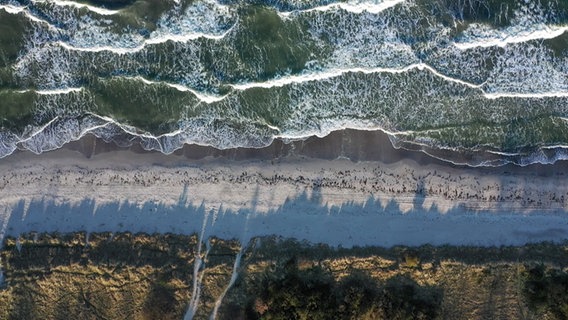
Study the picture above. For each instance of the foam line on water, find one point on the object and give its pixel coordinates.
(501, 153)
(132, 130)
(38, 131)
(203, 97)
(557, 146)
(151, 41)
(116, 50)
(353, 6)
(316, 76)
(361, 126)
(482, 164)
(540, 95)
(188, 36)
(505, 38)
(68, 3)
(52, 92)
(307, 77)
(52, 121)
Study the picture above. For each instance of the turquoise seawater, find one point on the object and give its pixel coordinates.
(454, 75)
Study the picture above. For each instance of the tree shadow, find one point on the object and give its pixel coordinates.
(305, 217)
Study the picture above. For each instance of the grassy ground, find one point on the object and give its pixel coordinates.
(125, 276)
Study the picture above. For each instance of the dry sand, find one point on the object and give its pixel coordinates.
(307, 190)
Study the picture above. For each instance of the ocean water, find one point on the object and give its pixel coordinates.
(445, 76)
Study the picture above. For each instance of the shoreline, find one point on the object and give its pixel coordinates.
(373, 145)
(369, 145)
(303, 191)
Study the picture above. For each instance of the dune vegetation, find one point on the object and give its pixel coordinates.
(127, 276)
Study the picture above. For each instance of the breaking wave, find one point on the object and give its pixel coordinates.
(484, 82)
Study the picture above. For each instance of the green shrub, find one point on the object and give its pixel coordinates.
(546, 290)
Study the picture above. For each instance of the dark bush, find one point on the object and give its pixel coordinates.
(288, 292)
(546, 290)
(403, 298)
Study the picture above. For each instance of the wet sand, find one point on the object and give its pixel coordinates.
(356, 145)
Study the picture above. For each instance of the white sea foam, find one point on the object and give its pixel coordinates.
(8, 142)
(155, 39)
(14, 9)
(201, 96)
(362, 40)
(69, 3)
(46, 138)
(553, 94)
(83, 34)
(354, 6)
(486, 37)
(318, 76)
(52, 92)
(526, 70)
(205, 18)
(134, 46)
(88, 33)
(113, 49)
(46, 66)
(54, 138)
(530, 22)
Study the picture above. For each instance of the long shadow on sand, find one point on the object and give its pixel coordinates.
(304, 218)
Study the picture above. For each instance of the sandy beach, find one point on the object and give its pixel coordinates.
(327, 190)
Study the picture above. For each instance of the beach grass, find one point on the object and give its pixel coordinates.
(140, 276)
